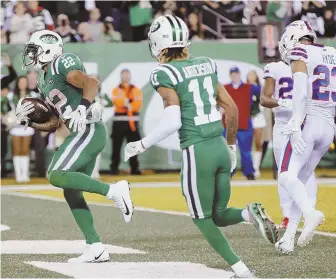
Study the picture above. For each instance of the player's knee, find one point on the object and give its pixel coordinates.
(56, 178)
(287, 178)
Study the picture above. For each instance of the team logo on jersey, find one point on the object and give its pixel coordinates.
(49, 39)
(155, 26)
(50, 81)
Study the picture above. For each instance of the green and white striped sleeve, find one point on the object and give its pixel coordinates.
(165, 75)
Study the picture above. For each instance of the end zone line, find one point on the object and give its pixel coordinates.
(143, 209)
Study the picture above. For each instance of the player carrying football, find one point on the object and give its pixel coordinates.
(311, 128)
(191, 95)
(66, 87)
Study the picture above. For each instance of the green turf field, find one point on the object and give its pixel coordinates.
(41, 235)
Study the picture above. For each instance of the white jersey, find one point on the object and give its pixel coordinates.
(321, 68)
(282, 75)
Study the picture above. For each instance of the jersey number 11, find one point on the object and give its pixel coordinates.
(207, 86)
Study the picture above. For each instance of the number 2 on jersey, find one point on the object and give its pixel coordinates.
(320, 92)
(202, 118)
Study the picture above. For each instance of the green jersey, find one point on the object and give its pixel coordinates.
(54, 87)
(195, 81)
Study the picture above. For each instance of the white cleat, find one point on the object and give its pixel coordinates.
(286, 244)
(120, 194)
(311, 223)
(95, 253)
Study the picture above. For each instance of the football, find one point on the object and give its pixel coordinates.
(42, 113)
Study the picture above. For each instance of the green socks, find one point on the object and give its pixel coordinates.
(227, 217)
(78, 181)
(216, 239)
(82, 214)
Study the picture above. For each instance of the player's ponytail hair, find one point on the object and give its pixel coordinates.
(170, 54)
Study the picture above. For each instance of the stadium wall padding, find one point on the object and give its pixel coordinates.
(107, 60)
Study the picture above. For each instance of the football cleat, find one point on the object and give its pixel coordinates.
(95, 253)
(262, 222)
(120, 194)
(284, 223)
(286, 244)
(310, 224)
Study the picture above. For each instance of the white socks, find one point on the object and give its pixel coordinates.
(245, 214)
(17, 168)
(285, 201)
(21, 168)
(241, 270)
(95, 174)
(297, 191)
(256, 162)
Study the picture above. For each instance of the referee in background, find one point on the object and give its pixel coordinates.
(127, 101)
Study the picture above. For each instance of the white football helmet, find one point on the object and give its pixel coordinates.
(292, 35)
(42, 48)
(167, 32)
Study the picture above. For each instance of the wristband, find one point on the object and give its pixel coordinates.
(85, 102)
(233, 147)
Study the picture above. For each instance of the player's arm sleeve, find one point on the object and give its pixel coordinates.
(213, 65)
(66, 63)
(269, 71)
(162, 76)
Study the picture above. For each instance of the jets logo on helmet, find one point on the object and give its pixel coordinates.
(42, 48)
(167, 32)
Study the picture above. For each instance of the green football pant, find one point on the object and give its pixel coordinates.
(71, 168)
(205, 179)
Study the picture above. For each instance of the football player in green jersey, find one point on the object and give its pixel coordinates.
(66, 87)
(191, 96)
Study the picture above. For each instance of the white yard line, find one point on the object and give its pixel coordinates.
(323, 182)
(144, 209)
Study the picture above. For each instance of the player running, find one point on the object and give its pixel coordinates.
(277, 93)
(65, 86)
(191, 95)
(311, 128)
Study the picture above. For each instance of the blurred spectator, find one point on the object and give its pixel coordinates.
(64, 29)
(21, 137)
(252, 8)
(276, 11)
(32, 77)
(41, 17)
(313, 12)
(127, 100)
(242, 93)
(195, 27)
(109, 34)
(5, 108)
(258, 121)
(83, 32)
(140, 14)
(95, 26)
(20, 25)
(6, 80)
(329, 24)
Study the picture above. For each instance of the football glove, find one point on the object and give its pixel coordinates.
(286, 103)
(22, 111)
(233, 155)
(133, 149)
(293, 131)
(96, 112)
(78, 119)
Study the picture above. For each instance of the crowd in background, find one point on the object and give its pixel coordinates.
(115, 21)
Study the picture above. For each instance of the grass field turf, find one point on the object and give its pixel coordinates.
(164, 237)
